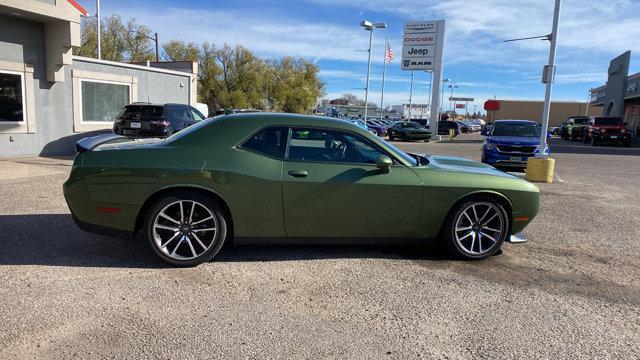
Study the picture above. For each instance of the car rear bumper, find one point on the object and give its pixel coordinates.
(615, 137)
(142, 132)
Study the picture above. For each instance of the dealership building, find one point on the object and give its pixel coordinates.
(50, 98)
(620, 96)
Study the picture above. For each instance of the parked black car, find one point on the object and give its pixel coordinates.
(155, 120)
(408, 130)
(444, 126)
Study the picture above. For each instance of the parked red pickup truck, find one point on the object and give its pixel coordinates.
(606, 129)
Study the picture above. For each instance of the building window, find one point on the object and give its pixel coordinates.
(103, 101)
(12, 104)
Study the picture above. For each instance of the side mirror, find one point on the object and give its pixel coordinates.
(548, 134)
(384, 163)
(484, 132)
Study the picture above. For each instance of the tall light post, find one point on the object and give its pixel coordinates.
(444, 81)
(549, 73)
(451, 86)
(369, 26)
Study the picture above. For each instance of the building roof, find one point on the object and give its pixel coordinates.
(82, 10)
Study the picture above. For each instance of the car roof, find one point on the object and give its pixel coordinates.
(265, 118)
(155, 104)
(515, 121)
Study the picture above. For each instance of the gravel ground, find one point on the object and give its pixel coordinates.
(572, 291)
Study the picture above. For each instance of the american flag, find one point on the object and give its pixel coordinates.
(388, 54)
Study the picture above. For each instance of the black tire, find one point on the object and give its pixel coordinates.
(391, 138)
(574, 136)
(627, 143)
(594, 141)
(453, 245)
(585, 139)
(214, 244)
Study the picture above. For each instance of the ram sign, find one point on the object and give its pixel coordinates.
(422, 45)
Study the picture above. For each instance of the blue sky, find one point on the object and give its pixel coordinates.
(476, 59)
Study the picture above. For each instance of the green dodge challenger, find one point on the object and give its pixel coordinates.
(283, 177)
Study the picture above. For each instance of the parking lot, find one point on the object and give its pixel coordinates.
(572, 291)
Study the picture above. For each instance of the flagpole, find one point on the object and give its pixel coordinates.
(384, 70)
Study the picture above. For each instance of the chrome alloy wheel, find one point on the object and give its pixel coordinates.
(185, 229)
(479, 227)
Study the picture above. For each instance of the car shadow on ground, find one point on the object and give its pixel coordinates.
(460, 141)
(559, 146)
(55, 240)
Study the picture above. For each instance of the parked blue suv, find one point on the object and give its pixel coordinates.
(509, 143)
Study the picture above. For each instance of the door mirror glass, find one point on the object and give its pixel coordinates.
(384, 163)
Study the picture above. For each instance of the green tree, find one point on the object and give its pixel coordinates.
(119, 42)
(178, 50)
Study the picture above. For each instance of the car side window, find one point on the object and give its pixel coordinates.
(271, 141)
(308, 144)
(196, 115)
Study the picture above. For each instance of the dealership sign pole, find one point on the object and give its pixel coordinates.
(422, 46)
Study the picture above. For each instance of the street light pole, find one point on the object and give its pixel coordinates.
(549, 81)
(444, 81)
(157, 52)
(368, 26)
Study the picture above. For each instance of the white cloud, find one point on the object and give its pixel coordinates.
(268, 35)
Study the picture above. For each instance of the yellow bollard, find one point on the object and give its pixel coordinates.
(540, 169)
(451, 132)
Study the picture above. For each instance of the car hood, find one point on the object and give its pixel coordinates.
(513, 140)
(457, 164)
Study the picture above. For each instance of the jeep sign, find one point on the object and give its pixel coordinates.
(418, 51)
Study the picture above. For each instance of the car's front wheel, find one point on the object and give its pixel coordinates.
(477, 228)
(185, 229)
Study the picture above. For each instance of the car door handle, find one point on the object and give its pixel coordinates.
(298, 173)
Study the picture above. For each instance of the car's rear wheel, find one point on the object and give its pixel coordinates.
(477, 228)
(186, 229)
(594, 141)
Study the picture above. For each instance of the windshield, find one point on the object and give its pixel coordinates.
(521, 129)
(410, 125)
(581, 121)
(142, 110)
(410, 159)
(608, 121)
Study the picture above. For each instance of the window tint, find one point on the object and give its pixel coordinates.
(11, 97)
(142, 110)
(180, 114)
(525, 129)
(608, 121)
(271, 141)
(331, 146)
